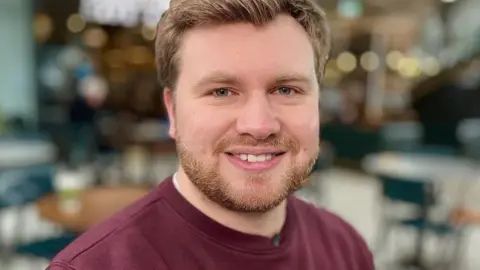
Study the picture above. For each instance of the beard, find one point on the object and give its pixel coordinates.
(251, 197)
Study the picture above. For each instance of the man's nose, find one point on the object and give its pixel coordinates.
(258, 119)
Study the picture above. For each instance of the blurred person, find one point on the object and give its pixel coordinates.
(241, 86)
(91, 92)
(94, 89)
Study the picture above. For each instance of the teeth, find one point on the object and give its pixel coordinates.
(261, 158)
(255, 158)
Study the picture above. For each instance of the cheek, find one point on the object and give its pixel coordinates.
(198, 130)
(305, 121)
(308, 136)
(304, 127)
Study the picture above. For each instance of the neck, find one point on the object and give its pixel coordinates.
(265, 224)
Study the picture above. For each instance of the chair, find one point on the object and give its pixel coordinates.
(463, 216)
(22, 185)
(48, 248)
(18, 188)
(421, 195)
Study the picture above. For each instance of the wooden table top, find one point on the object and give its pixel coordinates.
(98, 204)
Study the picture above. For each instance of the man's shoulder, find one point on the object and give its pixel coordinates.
(117, 241)
(335, 230)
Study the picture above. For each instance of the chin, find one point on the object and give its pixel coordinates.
(252, 188)
(256, 200)
(246, 181)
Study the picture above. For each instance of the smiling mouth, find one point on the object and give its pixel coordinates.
(253, 158)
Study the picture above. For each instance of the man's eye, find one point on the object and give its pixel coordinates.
(222, 92)
(285, 91)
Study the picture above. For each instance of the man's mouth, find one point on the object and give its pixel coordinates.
(253, 158)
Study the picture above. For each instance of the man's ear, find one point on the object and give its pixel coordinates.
(168, 98)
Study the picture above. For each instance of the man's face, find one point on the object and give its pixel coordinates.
(245, 112)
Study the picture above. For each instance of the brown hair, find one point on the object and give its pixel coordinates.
(186, 14)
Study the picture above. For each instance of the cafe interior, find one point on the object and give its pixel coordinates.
(84, 133)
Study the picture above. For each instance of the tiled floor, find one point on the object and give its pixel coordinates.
(352, 195)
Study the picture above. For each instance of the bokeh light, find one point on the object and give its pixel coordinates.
(369, 61)
(346, 62)
(75, 23)
(393, 58)
(95, 37)
(42, 27)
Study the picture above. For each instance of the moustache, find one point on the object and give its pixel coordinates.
(272, 141)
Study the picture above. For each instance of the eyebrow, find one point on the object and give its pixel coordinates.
(293, 77)
(231, 79)
(218, 77)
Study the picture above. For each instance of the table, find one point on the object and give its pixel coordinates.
(420, 167)
(427, 168)
(25, 152)
(98, 204)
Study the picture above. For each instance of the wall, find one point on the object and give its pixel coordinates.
(17, 79)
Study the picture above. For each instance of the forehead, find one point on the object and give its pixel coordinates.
(245, 51)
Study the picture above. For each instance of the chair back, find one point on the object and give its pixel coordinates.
(20, 186)
(48, 248)
(408, 191)
(415, 191)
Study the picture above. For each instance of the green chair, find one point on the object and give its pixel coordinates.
(48, 248)
(21, 186)
(407, 137)
(468, 134)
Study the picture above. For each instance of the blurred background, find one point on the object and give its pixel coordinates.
(83, 131)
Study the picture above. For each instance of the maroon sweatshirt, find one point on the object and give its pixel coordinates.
(163, 231)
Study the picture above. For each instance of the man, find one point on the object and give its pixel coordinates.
(241, 80)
